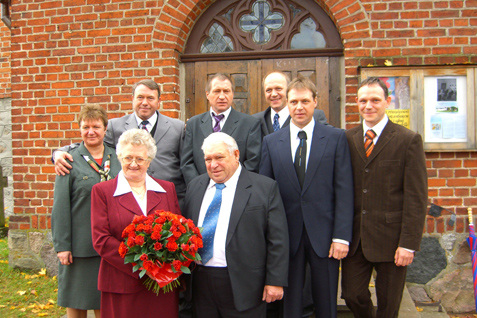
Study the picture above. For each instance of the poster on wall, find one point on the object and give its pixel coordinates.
(399, 109)
(445, 109)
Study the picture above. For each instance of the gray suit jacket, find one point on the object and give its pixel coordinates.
(390, 190)
(257, 237)
(169, 136)
(266, 122)
(242, 127)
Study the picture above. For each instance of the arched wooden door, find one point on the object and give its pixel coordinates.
(249, 38)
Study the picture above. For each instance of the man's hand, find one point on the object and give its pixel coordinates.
(66, 258)
(338, 250)
(61, 165)
(272, 293)
(403, 257)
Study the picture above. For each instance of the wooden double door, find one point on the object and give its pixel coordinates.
(247, 78)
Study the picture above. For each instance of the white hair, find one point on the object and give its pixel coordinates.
(217, 138)
(137, 137)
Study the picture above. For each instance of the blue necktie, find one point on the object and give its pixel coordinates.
(210, 223)
(276, 124)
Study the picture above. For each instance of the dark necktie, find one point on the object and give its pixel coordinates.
(210, 223)
(300, 158)
(368, 141)
(217, 118)
(276, 124)
(143, 125)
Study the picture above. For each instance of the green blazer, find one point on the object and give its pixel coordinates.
(71, 215)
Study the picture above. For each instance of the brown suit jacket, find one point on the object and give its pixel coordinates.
(390, 192)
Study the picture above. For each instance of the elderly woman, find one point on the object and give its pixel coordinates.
(93, 162)
(115, 203)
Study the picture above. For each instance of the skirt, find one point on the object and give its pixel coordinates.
(144, 303)
(78, 284)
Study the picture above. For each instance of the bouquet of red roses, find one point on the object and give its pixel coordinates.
(163, 245)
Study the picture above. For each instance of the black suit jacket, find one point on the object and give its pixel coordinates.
(242, 127)
(257, 237)
(266, 122)
(325, 204)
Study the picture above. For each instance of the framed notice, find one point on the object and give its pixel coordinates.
(437, 102)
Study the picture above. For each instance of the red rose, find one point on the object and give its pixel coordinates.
(148, 265)
(129, 229)
(185, 247)
(131, 242)
(171, 246)
(182, 229)
(177, 265)
(143, 257)
(139, 240)
(157, 246)
(123, 249)
(156, 235)
(177, 234)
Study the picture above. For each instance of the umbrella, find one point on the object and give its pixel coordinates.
(472, 240)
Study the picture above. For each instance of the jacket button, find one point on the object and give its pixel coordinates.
(365, 190)
(364, 211)
(366, 170)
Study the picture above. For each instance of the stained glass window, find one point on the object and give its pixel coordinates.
(261, 21)
(308, 38)
(217, 42)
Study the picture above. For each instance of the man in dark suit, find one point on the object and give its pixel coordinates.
(311, 164)
(276, 116)
(245, 255)
(167, 132)
(390, 187)
(221, 117)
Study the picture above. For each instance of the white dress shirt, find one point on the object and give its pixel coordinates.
(152, 121)
(228, 194)
(223, 120)
(378, 128)
(282, 115)
(295, 141)
(123, 187)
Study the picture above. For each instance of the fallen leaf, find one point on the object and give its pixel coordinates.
(42, 272)
(33, 292)
(51, 301)
(21, 292)
(370, 65)
(388, 63)
(43, 314)
(419, 309)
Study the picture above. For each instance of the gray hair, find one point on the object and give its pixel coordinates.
(137, 137)
(217, 138)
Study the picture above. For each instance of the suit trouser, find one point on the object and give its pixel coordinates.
(324, 282)
(356, 273)
(212, 295)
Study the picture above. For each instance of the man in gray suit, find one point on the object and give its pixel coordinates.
(245, 254)
(167, 132)
(276, 116)
(221, 117)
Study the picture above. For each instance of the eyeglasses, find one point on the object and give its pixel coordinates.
(139, 161)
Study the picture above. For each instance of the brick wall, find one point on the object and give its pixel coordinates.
(68, 53)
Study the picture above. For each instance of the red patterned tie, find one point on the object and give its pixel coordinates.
(368, 141)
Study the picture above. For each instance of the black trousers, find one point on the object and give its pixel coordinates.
(212, 295)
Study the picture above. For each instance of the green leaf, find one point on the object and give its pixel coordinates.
(129, 258)
(136, 267)
(185, 270)
(142, 273)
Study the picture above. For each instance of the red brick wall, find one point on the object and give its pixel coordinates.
(5, 84)
(67, 53)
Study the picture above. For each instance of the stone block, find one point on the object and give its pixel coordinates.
(463, 255)
(428, 262)
(36, 241)
(48, 256)
(17, 241)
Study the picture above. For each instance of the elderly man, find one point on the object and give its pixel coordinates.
(245, 254)
(167, 132)
(276, 116)
(312, 166)
(390, 188)
(221, 117)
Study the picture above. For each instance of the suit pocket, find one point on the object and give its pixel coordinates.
(255, 208)
(389, 163)
(393, 217)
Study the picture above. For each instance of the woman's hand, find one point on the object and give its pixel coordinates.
(66, 258)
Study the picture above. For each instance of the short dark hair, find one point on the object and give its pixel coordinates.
(149, 84)
(375, 81)
(220, 77)
(93, 112)
(301, 83)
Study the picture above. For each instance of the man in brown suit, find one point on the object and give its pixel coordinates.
(390, 203)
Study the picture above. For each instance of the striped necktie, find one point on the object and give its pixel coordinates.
(368, 141)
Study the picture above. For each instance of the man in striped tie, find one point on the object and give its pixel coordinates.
(390, 204)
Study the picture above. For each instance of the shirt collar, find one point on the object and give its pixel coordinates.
(232, 180)
(225, 113)
(152, 120)
(294, 130)
(284, 113)
(123, 186)
(378, 128)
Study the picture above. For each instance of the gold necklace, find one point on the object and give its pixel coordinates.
(139, 193)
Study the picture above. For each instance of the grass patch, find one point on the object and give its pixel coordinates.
(26, 294)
